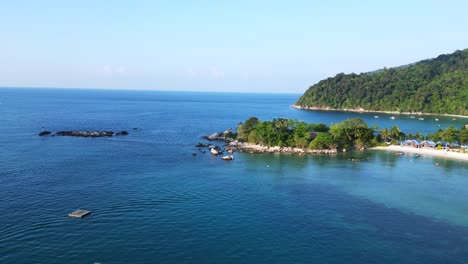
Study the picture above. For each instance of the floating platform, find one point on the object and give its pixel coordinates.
(79, 213)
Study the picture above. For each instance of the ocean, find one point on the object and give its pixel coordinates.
(153, 202)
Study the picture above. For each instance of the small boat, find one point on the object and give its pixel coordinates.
(392, 117)
(412, 117)
(454, 119)
(213, 151)
(437, 119)
(421, 118)
(230, 157)
(376, 116)
(399, 153)
(416, 155)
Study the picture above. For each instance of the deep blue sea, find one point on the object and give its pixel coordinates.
(153, 202)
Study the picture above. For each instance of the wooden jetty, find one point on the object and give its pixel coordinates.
(79, 213)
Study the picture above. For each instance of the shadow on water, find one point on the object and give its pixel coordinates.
(407, 183)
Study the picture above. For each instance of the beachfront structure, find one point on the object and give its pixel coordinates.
(411, 143)
(441, 144)
(428, 144)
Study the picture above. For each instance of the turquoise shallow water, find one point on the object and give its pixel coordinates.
(153, 202)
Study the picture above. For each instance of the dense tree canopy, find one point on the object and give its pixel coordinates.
(437, 85)
(350, 133)
(292, 133)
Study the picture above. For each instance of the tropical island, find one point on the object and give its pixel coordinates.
(292, 136)
(433, 86)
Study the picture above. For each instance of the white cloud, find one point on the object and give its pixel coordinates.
(121, 69)
(216, 73)
(110, 70)
(191, 72)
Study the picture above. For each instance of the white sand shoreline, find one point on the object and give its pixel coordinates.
(429, 152)
(373, 111)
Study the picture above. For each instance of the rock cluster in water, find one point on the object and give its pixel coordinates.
(77, 133)
(254, 148)
(221, 135)
(234, 145)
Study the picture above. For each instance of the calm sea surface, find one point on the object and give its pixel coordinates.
(153, 202)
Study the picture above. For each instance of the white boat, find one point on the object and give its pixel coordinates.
(421, 118)
(376, 116)
(213, 151)
(392, 117)
(437, 119)
(230, 157)
(412, 117)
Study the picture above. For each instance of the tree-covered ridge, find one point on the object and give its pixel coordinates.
(350, 133)
(437, 85)
(292, 133)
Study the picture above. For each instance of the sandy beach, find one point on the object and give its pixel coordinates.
(361, 110)
(430, 152)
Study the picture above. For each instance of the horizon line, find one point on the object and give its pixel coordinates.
(145, 90)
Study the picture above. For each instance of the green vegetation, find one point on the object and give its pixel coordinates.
(350, 134)
(437, 85)
(292, 133)
(450, 135)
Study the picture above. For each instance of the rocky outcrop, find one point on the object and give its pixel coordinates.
(45, 133)
(254, 148)
(77, 133)
(225, 136)
(85, 133)
(122, 133)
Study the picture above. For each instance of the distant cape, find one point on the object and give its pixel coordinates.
(432, 86)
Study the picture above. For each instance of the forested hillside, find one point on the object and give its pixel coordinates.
(437, 85)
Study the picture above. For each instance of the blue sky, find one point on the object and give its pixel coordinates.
(253, 46)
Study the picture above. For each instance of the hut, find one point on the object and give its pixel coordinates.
(411, 143)
(428, 144)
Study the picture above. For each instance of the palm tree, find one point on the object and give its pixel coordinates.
(418, 136)
(395, 132)
(385, 134)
